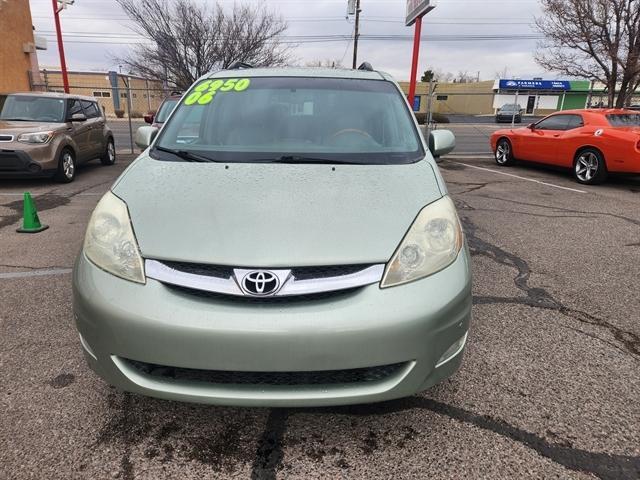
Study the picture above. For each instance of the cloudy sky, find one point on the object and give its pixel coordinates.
(454, 34)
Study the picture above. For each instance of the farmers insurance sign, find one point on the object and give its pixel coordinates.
(535, 85)
(417, 8)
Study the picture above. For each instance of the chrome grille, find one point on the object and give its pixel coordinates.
(300, 273)
(230, 281)
(218, 271)
(6, 138)
(323, 377)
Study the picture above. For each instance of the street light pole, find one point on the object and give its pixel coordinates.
(356, 35)
(63, 63)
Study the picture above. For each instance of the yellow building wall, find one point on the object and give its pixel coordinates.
(16, 36)
(462, 98)
(146, 95)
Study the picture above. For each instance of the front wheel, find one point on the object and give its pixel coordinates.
(589, 167)
(109, 155)
(504, 153)
(66, 167)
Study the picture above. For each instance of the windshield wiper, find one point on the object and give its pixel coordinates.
(186, 155)
(303, 159)
(17, 119)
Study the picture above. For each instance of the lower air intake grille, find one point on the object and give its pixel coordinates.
(277, 300)
(324, 377)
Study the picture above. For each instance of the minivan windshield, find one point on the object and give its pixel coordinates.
(624, 120)
(291, 120)
(32, 108)
(510, 107)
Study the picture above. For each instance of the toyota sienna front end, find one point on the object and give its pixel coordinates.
(285, 240)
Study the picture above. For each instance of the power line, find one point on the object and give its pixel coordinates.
(338, 38)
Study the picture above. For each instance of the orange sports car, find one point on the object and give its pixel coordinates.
(592, 143)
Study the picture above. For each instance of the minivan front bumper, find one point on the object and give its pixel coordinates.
(390, 341)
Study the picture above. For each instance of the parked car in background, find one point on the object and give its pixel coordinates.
(591, 142)
(296, 247)
(50, 134)
(635, 107)
(508, 113)
(158, 118)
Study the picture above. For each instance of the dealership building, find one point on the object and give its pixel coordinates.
(541, 97)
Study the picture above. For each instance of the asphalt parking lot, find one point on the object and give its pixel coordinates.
(549, 387)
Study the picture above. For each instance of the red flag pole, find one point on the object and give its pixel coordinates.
(414, 65)
(63, 63)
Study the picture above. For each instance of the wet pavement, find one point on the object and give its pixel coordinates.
(549, 386)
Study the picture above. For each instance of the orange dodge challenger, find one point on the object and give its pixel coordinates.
(592, 143)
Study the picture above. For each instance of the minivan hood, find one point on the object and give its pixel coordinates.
(273, 215)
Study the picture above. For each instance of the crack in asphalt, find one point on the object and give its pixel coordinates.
(563, 209)
(535, 296)
(123, 426)
(269, 454)
(48, 267)
(604, 465)
(470, 187)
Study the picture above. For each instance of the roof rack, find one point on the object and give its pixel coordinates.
(239, 66)
(366, 66)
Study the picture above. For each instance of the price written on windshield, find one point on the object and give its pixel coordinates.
(204, 93)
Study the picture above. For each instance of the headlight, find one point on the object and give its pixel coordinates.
(432, 243)
(36, 137)
(110, 242)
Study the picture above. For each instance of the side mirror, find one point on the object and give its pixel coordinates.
(149, 117)
(144, 136)
(78, 117)
(441, 142)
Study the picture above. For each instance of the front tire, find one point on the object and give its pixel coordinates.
(589, 167)
(109, 155)
(504, 153)
(66, 167)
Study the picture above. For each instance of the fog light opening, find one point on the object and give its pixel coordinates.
(453, 350)
(34, 168)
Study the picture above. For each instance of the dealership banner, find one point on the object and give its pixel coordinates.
(535, 85)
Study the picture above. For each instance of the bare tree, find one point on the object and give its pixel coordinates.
(188, 40)
(594, 39)
(501, 74)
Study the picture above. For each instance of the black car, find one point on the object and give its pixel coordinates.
(509, 112)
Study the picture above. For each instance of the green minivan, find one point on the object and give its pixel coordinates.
(286, 239)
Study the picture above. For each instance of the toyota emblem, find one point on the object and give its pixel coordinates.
(260, 283)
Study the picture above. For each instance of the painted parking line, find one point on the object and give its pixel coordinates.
(465, 155)
(521, 178)
(83, 194)
(36, 273)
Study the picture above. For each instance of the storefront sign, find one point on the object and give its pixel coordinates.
(418, 8)
(535, 85)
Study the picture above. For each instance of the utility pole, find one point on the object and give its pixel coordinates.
(356, 35)
(56, 17)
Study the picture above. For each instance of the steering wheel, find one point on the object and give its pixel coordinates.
(352, 130)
